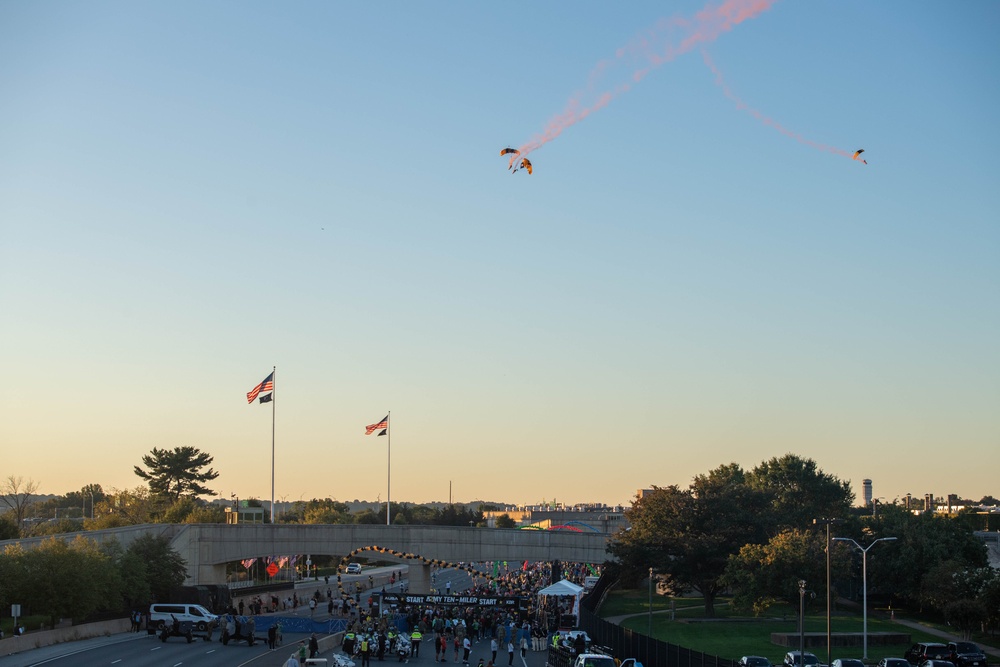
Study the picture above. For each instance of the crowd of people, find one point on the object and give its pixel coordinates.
(453, 630)
(450, 631)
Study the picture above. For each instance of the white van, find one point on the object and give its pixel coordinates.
(161, 615)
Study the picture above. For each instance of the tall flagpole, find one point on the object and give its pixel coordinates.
(274, 370)
(388, 468)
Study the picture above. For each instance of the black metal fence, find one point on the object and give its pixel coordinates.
(625, 643)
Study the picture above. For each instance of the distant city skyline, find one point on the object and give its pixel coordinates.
(859, 501)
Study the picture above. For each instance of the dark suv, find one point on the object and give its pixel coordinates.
(966, 654)
(917, 653)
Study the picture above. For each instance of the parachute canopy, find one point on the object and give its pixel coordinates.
(514, 153)
(857, 153)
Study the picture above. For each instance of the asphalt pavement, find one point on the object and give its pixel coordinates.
(144, 650)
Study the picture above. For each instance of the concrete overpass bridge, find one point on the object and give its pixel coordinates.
(208, 547)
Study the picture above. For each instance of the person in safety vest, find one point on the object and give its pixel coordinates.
(365, 652)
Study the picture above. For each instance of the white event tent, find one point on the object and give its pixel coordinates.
(565, 588)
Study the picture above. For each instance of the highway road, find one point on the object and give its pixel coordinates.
(143, 650)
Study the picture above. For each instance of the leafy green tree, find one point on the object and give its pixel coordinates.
(459, 515)
(369, 517)
(423, 515)
(165, 568)
(504, 521)
(990, 598)
(86, 499)
(12, 576)
(68, 579)
(966, 615)
(800, 492)
(924, 542)
(320, 511)
(177, 472)
(689, 534)
(206, 513)
(128, 507)
(763, 574)
(131, 575)
(327, 511)
(57, 527)
(193, 510)
(8, 529)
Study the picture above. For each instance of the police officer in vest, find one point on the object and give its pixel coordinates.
(415, 638)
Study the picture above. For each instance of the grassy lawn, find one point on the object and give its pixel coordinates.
(734, 635)
(637, 602)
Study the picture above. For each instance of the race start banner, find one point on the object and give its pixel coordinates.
(510, 603)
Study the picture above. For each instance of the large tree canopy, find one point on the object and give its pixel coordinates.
(763, 574)
(688, 534)
(924, 542)
(800, 492)
(177, 472)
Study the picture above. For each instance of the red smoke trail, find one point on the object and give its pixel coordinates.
(668, 39)
(743, 106)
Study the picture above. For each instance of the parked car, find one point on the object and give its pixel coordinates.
(847, 662)
(966, 654)
(354, 568)
(922, 651)
(754, 661)
(792, 659)
(937, 663)
(893, 662)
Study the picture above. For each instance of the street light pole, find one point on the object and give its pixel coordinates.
(829, 633)
(649, 631)
(864, 581)
(802, 621)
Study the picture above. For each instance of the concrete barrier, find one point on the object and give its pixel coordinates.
(26, 642)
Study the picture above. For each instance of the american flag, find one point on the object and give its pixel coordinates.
(248, 562)
(371, 428)
(266, 385)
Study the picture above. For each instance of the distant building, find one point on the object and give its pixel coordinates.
(584, 517)
(245, 515)
(867, 486)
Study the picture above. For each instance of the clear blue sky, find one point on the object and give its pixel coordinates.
(192, 193)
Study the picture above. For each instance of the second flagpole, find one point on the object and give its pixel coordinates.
(274, 384)
(388, 468)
